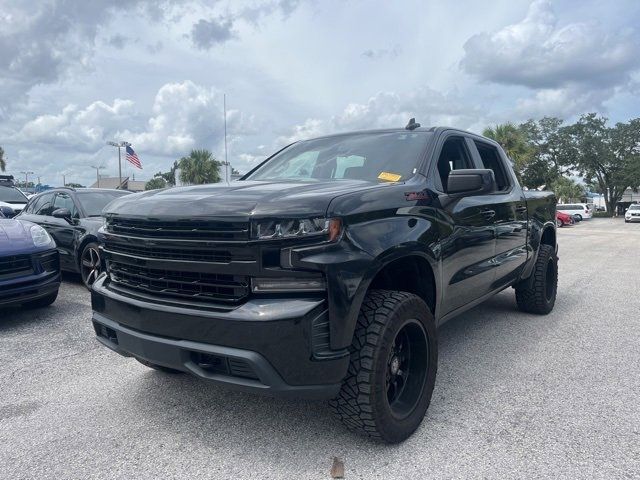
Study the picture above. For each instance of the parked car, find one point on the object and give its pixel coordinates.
(563, 219)
(632, 214)
(13, 197)
(73, 218)
(326, 270)
(29, 264)
(580, 211)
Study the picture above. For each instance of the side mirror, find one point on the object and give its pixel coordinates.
(7, 212)
(63, 213)
(471, 181)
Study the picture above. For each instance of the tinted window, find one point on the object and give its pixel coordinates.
(44, 205)
(491, 160)
(64, 200)
(454, 156)
(12, 195)
(373, 157)
(94, 202)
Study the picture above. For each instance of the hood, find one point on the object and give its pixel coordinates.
(238, 200)
(15, 237)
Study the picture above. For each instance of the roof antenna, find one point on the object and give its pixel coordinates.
(412, 125)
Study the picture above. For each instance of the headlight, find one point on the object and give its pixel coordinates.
(40, 236)
(330, 228)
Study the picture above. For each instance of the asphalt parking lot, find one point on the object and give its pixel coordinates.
(517, 395)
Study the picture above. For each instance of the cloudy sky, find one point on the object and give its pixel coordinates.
(76, 73)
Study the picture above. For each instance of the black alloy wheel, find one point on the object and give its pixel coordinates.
(393, 365)
(90, 264)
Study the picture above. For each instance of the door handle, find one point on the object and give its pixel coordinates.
(521, 209)
(488, 213)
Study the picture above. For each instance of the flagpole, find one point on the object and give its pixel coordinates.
(226, 162)
(119, 168)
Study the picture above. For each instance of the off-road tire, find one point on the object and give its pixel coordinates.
(363, 404)
(42, 302)
(538, 295)
(159, 368)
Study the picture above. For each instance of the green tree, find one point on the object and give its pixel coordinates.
(567, 190)
(514, 142)
(3, 162)
(155, 183)
(608, 157)
(551, 151)
(199, 167)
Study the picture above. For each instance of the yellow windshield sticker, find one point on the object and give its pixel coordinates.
(389, 177)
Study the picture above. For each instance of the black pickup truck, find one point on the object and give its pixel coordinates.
(325, 271)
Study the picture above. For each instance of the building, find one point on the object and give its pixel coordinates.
(114, 182)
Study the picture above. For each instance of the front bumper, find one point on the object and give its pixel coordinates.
(632, 219)
(276, 346)
(41, 278)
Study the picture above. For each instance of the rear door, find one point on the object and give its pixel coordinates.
(467, 230)
(510, 214)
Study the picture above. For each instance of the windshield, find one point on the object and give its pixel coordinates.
(634, 207)
(94, 202)
(12, 195)
(374, 157)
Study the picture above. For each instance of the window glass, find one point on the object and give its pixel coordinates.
(11, 195)
(94, 202)
(491, 160)
(45, 205)
(374, 157)
(64, 200)
(454, 156)
(347, 166)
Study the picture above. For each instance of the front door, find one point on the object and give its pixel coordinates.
(467, 231)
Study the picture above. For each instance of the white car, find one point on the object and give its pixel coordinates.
(13, 197)
(632, 214)
(579, 211)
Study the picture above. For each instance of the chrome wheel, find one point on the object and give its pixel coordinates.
(90, 264)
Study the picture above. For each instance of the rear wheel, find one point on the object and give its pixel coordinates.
(90, 264)
(394, 356)
(578, 217)
(160, 368)
(538, 294)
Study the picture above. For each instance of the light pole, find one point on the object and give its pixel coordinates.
(98, 173)
(120, 145)
(26, 178)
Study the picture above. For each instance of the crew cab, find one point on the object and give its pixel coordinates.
(325, 271)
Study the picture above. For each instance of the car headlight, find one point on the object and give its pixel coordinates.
(40, 236)
(330, 228)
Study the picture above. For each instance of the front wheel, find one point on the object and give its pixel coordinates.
(538, 294)
(394, 356)
(90, 264)
(559, 223)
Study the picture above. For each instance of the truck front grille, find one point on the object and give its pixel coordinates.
(179, 229)
(199, 286)
(172, 253)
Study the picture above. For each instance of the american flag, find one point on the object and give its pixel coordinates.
(132, 157)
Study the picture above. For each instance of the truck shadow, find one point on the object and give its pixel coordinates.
(489, 337)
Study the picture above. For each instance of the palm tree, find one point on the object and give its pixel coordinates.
(199, 167)
(514, 142)
(3, 163)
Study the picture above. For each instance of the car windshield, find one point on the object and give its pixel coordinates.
(634, 207)
(12, 195)
(374, 157)
(94, 202)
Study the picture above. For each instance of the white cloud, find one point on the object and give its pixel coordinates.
(82, 129)
(390, 109)
(538, 53)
